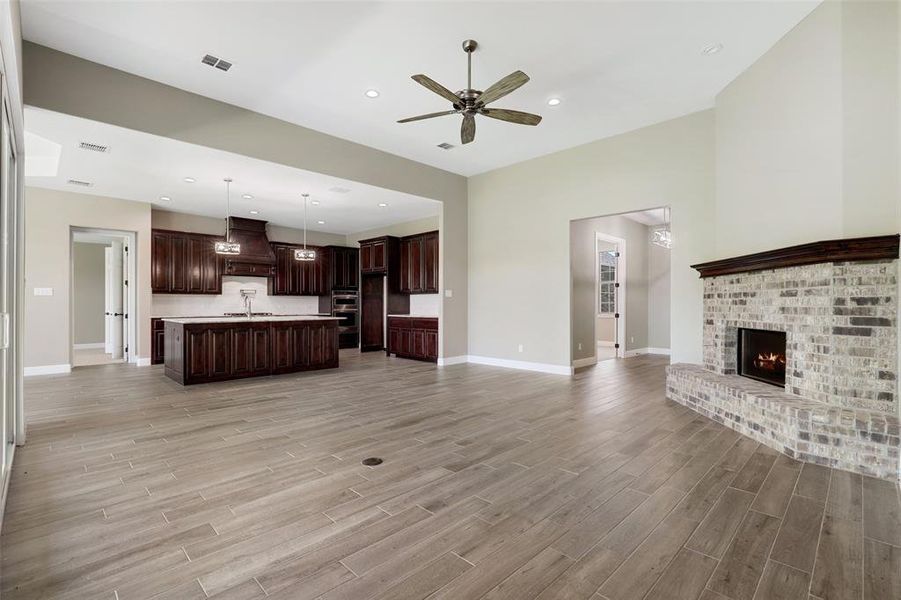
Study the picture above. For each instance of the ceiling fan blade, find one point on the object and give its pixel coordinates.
(429, 116)
(503, 87)
(513, 116)
(468, 130)
(436, 87)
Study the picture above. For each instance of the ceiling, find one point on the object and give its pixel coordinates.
(616, 66)
(144, 167)
(654, 216)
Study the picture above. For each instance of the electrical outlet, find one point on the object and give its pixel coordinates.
(580, 346)
(43, 291)
(448, 293)
(520, 347)
(632, 339)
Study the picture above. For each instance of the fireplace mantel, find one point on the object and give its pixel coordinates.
(853, 249)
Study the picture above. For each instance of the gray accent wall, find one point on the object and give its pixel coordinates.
(88, 293)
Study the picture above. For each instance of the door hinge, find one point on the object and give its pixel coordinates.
(616, 255)
(126, 282)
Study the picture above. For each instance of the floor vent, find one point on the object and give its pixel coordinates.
(79, 183)
(445, 146)
(372, 461)
(93, 147)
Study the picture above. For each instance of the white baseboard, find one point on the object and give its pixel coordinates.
(89, 346)
(47, 370)
(585, 362)
(452, 360)
(521, 365)
(142, 362)
(603, 344)
(640, 351)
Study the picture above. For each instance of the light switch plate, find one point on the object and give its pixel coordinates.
(43, 291)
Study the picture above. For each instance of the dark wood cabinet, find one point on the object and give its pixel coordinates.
(419, 263)
(374, 255)
(204, 352)
(413, 337)
(299, 278)
(184, 263)
(344, 267)
(157, 341)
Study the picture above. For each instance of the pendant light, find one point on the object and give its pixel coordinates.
(228, 246)
(306, 254)
(662, 235)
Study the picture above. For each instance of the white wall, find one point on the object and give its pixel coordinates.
(49, 217)
(519, 225)
(807, 137)
(89, 293)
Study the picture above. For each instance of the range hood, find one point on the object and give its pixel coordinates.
(256, 258)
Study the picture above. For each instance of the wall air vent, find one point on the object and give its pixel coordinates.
(215, 61)
(93, 147)
(80, 183)
(445, 146)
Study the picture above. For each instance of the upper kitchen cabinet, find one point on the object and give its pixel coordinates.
(299, 278)
(375, 254)
(419, 263)
(344, 267)
(184, 263)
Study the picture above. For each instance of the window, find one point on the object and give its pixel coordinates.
(607, 282)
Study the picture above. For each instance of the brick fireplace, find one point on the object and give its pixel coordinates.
(829, 393)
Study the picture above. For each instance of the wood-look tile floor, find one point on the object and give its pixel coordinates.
(495, 484)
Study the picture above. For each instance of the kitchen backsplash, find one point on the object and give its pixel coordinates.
(187, 305)
(425, 304)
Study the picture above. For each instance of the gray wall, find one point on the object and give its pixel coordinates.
(88, 293)
(70, 85)
(658, 297)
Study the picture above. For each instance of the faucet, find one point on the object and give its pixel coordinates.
(247, 296)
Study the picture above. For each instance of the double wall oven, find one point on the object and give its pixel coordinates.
(345, 304)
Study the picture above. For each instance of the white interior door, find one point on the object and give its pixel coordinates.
(123, 290)
(116, 304)
(107, 302)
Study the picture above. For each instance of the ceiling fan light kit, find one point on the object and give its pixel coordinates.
(470, 102)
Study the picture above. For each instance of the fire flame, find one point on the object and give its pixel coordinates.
(770, 361)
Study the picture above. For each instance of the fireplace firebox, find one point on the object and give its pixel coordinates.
(761, 355)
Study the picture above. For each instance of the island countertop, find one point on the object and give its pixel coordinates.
(254, 319)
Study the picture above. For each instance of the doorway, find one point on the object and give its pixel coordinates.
(620, 286)
(103, 324)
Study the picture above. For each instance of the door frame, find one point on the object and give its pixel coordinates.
(130, 237)
(620, 244)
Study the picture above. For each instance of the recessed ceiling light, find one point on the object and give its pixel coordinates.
(165, 198)
(553, 101)
(321, 222)
(383, 204)
(372, 93)
(247, 197)
(190, 180)
(711, 49)
(254, 212)
(314, 202)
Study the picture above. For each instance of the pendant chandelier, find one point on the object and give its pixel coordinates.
(307, 254)
(662, 235)
(228, 246)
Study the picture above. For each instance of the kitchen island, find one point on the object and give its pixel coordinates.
(201, 350)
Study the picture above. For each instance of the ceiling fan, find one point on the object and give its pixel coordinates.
(470, 102)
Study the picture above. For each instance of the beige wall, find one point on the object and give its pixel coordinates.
(658, 297)
(49, 217)
(398, 230)
(67, 84)
(89, 293)
(519, 225)
(807, 137)
(165, 219)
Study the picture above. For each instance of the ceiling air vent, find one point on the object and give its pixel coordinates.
(339, 190)
(215, 61)
(445, 146)
(79, 183)
(93, 147)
